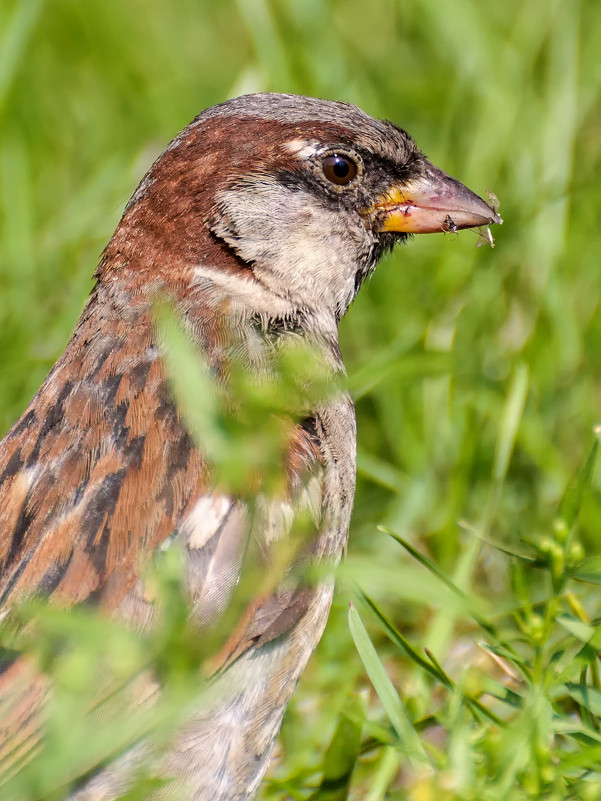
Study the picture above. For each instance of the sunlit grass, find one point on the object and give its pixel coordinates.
(477, 372)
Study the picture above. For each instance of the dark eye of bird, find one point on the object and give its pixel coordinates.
(339, 169)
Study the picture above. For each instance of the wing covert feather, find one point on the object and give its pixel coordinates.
(97, 472)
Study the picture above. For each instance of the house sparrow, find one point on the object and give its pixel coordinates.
(258, 223)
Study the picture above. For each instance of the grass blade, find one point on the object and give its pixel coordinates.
(391, 702)
(343, 752)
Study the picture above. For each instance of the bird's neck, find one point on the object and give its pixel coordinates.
(224, 311)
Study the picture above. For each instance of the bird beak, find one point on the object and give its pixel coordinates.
(433, 202)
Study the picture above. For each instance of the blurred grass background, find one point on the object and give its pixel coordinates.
(484, 379)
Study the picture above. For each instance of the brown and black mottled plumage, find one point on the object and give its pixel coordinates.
(241, 225)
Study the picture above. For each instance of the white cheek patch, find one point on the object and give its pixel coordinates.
(302, 148)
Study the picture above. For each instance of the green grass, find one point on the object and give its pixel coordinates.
(477, 372)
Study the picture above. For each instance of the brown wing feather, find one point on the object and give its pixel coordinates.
(98, 471)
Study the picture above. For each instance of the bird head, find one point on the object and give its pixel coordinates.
(299, 195)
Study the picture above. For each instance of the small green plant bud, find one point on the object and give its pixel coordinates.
(560, 530)
(575, 554)
(535, 628)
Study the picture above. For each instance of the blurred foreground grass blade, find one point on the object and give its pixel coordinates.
(192, 384)
(111, 689)
(243, 423)
(392, 704)
(343, 751)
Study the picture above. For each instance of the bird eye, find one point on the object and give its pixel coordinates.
(339, 170)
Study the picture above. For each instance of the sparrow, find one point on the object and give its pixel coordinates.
(259, 223)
